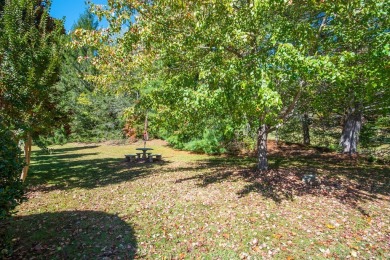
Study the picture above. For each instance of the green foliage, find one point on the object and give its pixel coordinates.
(12, 189)
(30, 57)
(86, 21)
(368, 134)
(175, 141)
(375, 139)
(98, 119)
(355, 37)
(209, 138)
(290, 131)
(59, 136)
(245, 63)
(94, 115)
(210, 143)
(324, 131)
(11, 164)
(375, 132)
(204, 135)
(191, 141)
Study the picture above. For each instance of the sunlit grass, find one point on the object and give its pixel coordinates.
(86, 201)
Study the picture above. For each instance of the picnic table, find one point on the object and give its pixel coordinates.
(144, 151)
(144, 155)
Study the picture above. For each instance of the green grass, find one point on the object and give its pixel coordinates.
(86, 202)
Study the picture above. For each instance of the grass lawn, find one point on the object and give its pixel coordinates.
(87, 202)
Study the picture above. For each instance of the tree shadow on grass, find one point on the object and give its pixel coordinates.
(71, 235)
(65, 170)
(338, 170)
(336, 177)
(44, 152)
(222, 169)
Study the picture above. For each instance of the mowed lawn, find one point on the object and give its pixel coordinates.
(86, 202)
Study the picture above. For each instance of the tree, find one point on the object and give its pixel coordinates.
(30, 57)
(356, 39)
(72, 83)
(224, 59)
(95, 114)
(250, 61)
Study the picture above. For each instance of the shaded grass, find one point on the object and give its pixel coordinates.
(84, 166)
(192, 206)
(73, 234)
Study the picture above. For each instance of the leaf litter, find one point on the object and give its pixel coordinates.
(194, 206)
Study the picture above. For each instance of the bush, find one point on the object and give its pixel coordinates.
(175, 141)
(11, 187)
(210, 143)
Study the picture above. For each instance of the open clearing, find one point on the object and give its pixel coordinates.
(87, 202)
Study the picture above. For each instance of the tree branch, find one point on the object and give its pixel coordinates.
(234, 51)
(293, 103)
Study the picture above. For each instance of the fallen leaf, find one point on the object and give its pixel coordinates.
(330, 226)
(256, 249)
(226, 236)
(354, 247)
(277, 236)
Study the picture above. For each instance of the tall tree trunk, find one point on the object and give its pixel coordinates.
(27, 156)
(351, 129)
(262, 147)
(305, 129)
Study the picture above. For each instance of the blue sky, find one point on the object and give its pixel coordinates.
(71, 10)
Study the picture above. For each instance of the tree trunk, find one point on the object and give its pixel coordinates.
(27, 155)
(351, 129)
(262, 147)
(305, 129)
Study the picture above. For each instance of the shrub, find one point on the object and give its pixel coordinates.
(11, 187)
(175, 141)
(210, 143)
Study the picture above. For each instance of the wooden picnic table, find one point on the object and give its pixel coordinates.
(144, 150)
